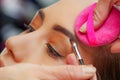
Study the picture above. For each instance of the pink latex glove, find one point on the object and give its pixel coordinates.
(108, 31)
(104, 6)
(101, 11)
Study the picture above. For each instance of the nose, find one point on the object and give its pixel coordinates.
(12, 44)
(19, 46)
(22, 47)
(16, 41)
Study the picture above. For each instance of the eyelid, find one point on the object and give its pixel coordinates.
(53, 50)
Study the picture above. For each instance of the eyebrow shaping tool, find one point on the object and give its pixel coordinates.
(76, 51)
(75, 48)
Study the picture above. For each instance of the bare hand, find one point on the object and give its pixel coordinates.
(27, 71)
(116, 46)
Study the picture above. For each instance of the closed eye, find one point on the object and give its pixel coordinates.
(53, 51)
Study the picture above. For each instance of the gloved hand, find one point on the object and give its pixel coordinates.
(101, 12)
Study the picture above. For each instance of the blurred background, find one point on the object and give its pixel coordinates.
(14, 13)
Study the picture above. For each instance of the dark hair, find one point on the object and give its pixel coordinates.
(107, 63)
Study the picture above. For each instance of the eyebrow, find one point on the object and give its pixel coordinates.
(41, 14)
(61, 29)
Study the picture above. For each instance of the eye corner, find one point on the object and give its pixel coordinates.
(29, 28)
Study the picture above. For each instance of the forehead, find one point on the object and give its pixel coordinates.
(63, 12)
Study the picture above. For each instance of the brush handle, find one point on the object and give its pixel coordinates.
(81, 61)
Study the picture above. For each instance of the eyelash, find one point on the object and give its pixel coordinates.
(29, 28)
(52, 51)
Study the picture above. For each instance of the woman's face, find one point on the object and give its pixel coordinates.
(48, 44)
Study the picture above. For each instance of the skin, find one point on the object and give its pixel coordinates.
(31, 47)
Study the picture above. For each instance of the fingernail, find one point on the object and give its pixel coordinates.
(83, 29)
(89, 70)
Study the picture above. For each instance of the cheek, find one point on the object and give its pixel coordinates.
(42, 57)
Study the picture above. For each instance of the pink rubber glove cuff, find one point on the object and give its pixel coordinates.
(108, 32)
